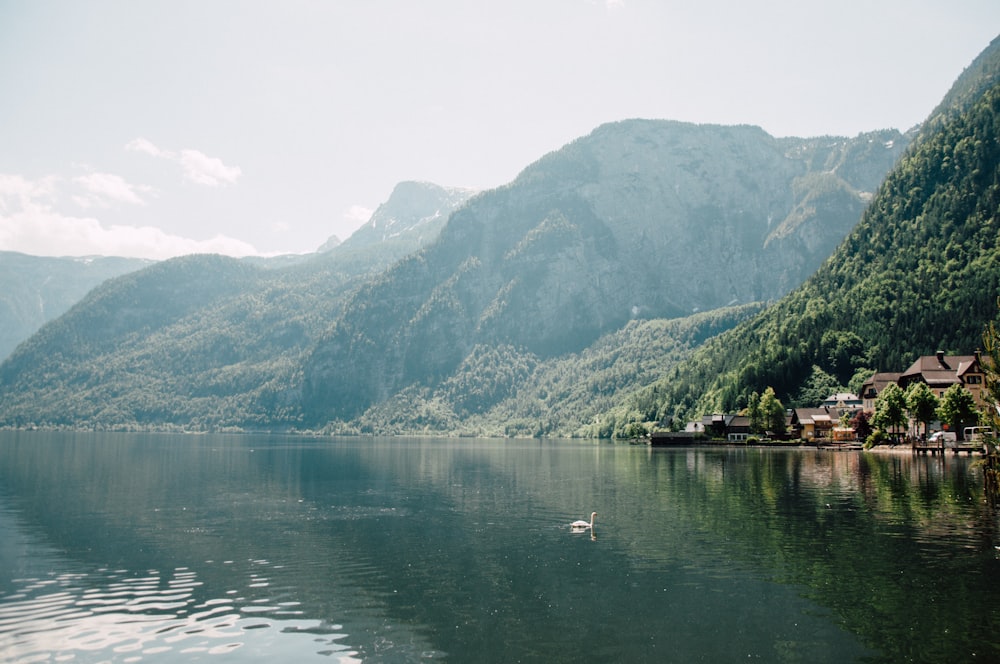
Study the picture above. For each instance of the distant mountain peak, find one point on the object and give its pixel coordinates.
(412, 206)
(332, 243)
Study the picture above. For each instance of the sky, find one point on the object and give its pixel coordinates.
(243, 127)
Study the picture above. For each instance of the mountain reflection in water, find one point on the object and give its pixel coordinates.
(162, 547)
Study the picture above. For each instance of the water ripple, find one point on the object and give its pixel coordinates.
(110, 617)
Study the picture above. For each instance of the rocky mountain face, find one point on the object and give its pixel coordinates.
(638, 219)
(37, 289)
(416, 209)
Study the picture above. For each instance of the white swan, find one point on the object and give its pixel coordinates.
(583, 525)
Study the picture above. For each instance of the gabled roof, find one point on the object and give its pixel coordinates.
(726, 420)
(881, 379)
(739, 421)
(940, 370)
(823, 415)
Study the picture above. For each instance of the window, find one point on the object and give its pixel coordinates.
(974, 379)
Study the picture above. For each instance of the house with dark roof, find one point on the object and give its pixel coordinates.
(940, 371)
(874, 386)
(732, 427)
(725, 426)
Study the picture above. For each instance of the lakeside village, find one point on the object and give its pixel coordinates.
(945, 415)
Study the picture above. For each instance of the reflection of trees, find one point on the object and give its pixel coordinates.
(415, 530)
(842, 526)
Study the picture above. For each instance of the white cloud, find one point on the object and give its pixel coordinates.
(198, 167)
(142, 145)
(17, 191)
(202, 169)
(103, 189)
(30, 224)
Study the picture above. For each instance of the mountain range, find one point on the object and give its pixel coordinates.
(593, 291)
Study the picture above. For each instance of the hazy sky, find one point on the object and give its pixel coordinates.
(156, 128)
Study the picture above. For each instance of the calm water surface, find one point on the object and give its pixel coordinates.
(158, 548)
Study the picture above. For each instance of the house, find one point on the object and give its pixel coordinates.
(731, 427)
(874, 386)
(716, 424)
(738, 428)
(814, 423)
(941, 371)
(843, 401)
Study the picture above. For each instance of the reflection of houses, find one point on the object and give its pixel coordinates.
(874, 386)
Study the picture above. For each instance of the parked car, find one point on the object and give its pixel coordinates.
(976, 434)
(946, 438)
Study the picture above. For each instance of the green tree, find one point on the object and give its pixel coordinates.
(858, 380)
(991, 367)
(754, 414)
(772, 412)
(817, 388)
(890, 410)
(842, 351)
(958, 408)
(921, 403)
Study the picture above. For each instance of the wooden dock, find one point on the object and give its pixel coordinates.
(664, 438)
(968, 448)
(839, 445)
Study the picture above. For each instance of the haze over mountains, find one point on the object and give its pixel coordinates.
(592, 257)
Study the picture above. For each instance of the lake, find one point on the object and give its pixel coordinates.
(225, 548)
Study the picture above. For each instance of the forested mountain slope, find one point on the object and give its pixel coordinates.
(920, 273)
(37, 289)
(981, 75)
(75, 365)
(195, 342)
(506, 391)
